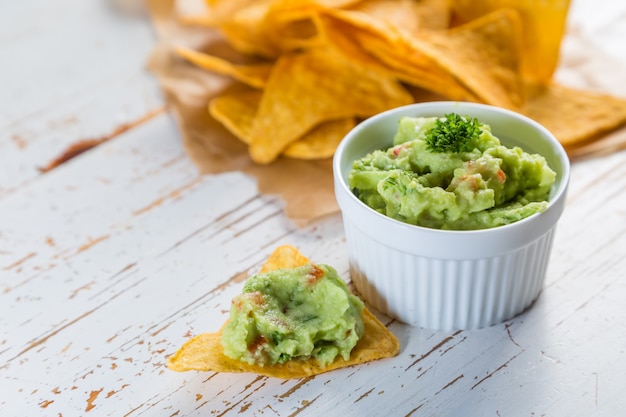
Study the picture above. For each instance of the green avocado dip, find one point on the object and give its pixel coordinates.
(297, 313)
(452, 173)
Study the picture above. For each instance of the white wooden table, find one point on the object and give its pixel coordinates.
(109, 262)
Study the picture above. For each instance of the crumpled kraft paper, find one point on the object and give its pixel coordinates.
(306, 187)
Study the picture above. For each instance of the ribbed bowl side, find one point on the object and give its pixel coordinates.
(446, 294)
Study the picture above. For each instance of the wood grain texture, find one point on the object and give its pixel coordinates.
(71, 71)
(109, 262)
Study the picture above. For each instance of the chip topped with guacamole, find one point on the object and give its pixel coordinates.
(293, 319)
(300, 313)
(452, 173)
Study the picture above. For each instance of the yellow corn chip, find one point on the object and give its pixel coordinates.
(475, 62)
(434, 14)
(543, 28)
(306, 88)
(289, 24)
(243, 26)
(321, 141)
(404, 15)
(285, 256)
(236, 111)
(575, 117)
(484, 55)
(254, 75)
(374, 46)
(266, 27)
(205, 353)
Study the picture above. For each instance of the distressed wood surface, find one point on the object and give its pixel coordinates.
(109, 262)
(71, 71)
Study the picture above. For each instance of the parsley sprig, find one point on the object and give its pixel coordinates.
(453, 134)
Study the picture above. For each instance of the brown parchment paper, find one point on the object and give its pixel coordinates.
(306, 187)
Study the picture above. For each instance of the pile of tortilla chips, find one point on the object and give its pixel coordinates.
(205, 353)
(312, 69)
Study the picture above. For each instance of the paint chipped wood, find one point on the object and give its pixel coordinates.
(110, 262)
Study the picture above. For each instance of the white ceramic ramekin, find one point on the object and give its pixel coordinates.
(442, 279)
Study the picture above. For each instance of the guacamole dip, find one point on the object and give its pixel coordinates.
(452, 173)
(295, 313)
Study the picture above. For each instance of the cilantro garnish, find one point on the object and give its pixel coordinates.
(453, 134)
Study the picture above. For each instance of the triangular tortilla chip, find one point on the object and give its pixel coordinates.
(373, 45)
(574, 116)
(307, 88)
(613, 142)
(400, 14)
(237, 110)
(254, 75)
(543, 22)
(284, 256)
(241, 22)
(289, 24)
(321, 141)
(205, 352)
(484, 55)
(479, 61)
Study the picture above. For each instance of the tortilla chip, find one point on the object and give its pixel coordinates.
(399, 14)
(475, 62)
(197, 20)
(244, 29)
(285, 256)
(290, 25)
(306, 88)
(321, 141)
(406, 16)
(335, 3)
(371, 45)
(575, 117)
(205, 352)
(266, 27)
(295, 34)
(434, 14)
(236, 111)
(254, 75)
(543, 22)
(484, 55)
(606, 145)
